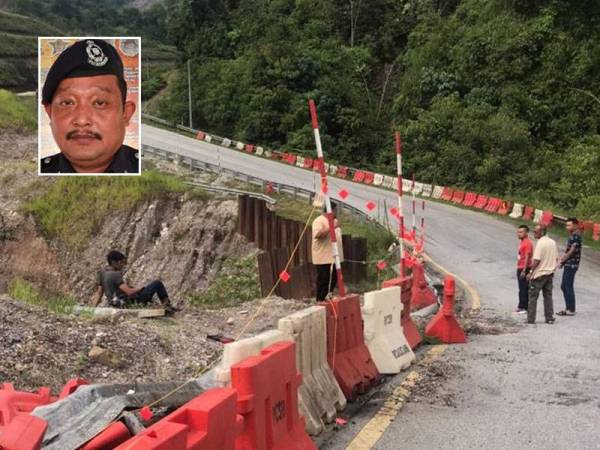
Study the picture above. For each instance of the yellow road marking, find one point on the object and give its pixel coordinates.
(374, 429)
(475, 299)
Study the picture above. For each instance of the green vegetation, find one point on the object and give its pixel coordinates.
(22, 290)
(236, 282)
(23, 25)
(73, 208)
(496, 96)
(17, 114)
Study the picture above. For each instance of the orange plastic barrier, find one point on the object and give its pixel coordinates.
(201, 135)
(249, 148)
(412, 335)
(317, 165)
(308, 163)
(342, 172)
(528, 214)
(421, 294)
(447, 194)
(547, 218)
(19, 430)
(267, 387)
(493, 204)
(504, 208)
(586, 226)
(481, 201)
(207, 422)
(596, 232)
(444, 325)
(347, 354)
(359, 176)
(458, 196)
(369, 177)
(115, 434)
(470, 198)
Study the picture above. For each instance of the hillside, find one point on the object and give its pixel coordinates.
(495, 96)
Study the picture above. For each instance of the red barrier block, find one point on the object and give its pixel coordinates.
(481, 201)
(421, 294)
(347, 354)
(493, 205)
(249, 148)
(208, 422)
(71, 386)
(458, 197)
(470, 198)
(547, 218)
(369, 177)
(359, 176)
(444, 325)
(113, 435)
(528, 213)
(412, 335)
(504, 208)
(267, 387)
(447, 194)
(596, 232)
(200, 136)
(586, 226)
(342, 172)
(308, 163)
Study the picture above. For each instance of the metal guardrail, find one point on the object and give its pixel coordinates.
(226, 190)
(195, 164)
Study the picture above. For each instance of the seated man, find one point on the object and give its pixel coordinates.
(118, 293)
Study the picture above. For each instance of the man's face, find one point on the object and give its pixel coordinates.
(570, 226)
(88, 120)
(521, 233)
(537, 232)
(119, 265)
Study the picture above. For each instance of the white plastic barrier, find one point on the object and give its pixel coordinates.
(300, 161)
(383, 332)
(333, 169)
(378, 179)
(239, 145)
(427, 190)
(319, 395)
(406, 185)
(517, 211)
(268, 153)
(326, 166)
(389, 182)
(437, 192)
(237, 351)
(260, 151)
(537, 217)
(418, 188)
(226, 142)
(208, 138)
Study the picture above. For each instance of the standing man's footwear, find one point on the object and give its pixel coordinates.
(550, 321)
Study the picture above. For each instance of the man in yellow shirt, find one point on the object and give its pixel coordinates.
(322, 253)
(541, 276)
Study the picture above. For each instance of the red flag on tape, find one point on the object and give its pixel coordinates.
(343, 194)
(284, 276)
(146, 413)
(381, 265)
(371, 206)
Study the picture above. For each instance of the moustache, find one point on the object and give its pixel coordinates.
(78, 134)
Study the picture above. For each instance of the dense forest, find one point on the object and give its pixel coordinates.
(498, 96)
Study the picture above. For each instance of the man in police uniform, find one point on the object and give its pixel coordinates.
(85, 97)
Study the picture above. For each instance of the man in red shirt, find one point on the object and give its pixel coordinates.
(524, 262)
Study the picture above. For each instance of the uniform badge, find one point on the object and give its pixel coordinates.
(96, 56)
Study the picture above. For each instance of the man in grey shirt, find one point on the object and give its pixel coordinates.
(110, 283)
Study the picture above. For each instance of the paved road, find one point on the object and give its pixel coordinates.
(537, 388)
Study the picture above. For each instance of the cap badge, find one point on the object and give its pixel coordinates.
(95, 54)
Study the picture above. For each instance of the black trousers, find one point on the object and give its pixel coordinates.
(326, 280)
(523, 289)
(145, 295)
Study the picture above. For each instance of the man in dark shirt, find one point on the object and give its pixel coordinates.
(118, 293)
(570, 263)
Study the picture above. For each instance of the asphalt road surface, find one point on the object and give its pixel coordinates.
(538, 387)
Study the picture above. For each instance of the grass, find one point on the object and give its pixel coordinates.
(22, 290)
(18, 24)
(17, 114)
(17, 46)
(237, 282)
(73, 208)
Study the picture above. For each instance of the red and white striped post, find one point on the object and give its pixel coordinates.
(325, 192)
(423, 225)
(400, 212)
(414, 210)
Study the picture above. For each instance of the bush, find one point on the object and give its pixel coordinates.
(17, 114)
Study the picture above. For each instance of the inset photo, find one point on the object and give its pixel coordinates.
(89, 106)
